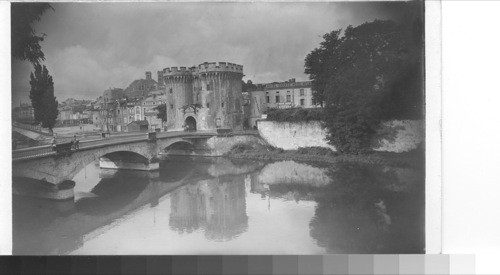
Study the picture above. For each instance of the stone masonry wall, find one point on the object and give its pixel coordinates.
(221, 145)
(290, 136)
(394, 136)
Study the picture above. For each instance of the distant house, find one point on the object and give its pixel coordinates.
(138, 126)
(148, 106)
(24, 113)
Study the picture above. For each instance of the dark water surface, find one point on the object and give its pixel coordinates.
(218, 206)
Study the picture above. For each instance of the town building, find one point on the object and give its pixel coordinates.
(23, 113)
(65, 115)
(282, 95)
(289, 94)
(148, 108)
(258, 105)
(141, 87)
(204, 97)
(138, 126)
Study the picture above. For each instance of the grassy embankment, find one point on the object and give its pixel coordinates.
(321, 155)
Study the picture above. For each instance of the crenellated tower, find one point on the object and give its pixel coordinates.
(178, 84)
(208, 95)
(218, 90)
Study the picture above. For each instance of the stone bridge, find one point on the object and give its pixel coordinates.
(50, 175)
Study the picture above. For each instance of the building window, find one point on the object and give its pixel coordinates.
(118, 111)
(302, 101)
(144, 110)
(154, 103)
(301, 92)
(267, 99)
(170, 90)
(222, 104)
(208, 105)
(277, 99)
(171, 106)
(288, 98)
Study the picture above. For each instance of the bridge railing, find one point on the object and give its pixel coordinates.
(46, 150)
(34, 128)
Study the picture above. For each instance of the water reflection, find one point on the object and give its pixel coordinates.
(218, 206)
(370, 210)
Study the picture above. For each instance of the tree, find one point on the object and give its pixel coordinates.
(42, 97)
(373, 72)
(25, 42)
(245, 87)
(162, 112)
(320, 64)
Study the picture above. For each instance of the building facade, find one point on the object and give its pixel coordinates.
(204, 97)
(289, 94)
(24, 113)
(282, 95)
(148, 105)
(258, 105)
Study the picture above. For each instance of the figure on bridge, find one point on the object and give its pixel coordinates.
(54, 142)
(76, 143)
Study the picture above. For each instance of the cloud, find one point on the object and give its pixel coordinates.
(93, 46)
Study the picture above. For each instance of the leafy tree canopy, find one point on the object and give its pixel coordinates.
(162, 112)
(245, 87)
(25, 42)
(370, 73)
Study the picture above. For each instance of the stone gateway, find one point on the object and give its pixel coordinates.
(204, 97)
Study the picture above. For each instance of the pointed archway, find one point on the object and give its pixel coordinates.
(190, 124)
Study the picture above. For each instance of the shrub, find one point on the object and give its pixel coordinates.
(294, 114)
(241, 148)
(316, 150)
(351, 137)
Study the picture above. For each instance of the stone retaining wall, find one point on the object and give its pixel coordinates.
(394, 136)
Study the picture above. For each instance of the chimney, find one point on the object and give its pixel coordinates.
(148, 75)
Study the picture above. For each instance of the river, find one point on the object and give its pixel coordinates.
(219, 206)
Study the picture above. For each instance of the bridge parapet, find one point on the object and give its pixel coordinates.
(41, 163)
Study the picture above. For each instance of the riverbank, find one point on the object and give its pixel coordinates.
(325, 156)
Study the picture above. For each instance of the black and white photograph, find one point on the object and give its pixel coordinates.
(218, 128)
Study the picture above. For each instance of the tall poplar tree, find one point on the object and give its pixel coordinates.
(42, 97)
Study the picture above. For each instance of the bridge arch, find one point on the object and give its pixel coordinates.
(56, 170)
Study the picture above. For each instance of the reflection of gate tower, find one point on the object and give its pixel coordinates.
(209, 93)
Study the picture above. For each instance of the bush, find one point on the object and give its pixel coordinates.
(351, 137)
(316, 150)
(241, 148)
(294, 114)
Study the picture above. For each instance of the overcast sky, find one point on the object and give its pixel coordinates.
(93, 46)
